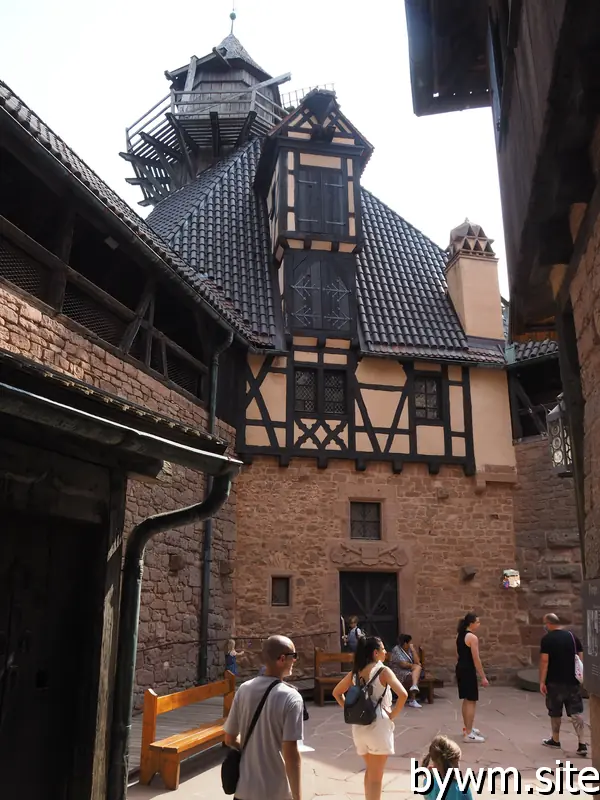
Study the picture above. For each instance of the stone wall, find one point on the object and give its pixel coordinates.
(295, 521)
(548, 546)
(168, 640)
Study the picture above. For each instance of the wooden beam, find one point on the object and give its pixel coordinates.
(144, 181)
(246, 127)
(221, 58)
(191, 74)
(216, 133)
(148, 341)
(184, 143)
(161, 147)
(176, 348)
(62, 248)
(134, 326)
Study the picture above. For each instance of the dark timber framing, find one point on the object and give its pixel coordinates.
(333, 436)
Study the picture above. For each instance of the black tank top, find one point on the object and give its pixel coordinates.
(465, 656)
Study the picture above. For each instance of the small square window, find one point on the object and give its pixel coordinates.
(365, 520)
(428, 398)
(280, 591)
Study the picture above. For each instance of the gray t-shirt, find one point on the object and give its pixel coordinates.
(262, 770)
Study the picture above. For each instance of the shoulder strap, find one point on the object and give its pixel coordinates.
(377, 674)
(574, 642)
(257, 713)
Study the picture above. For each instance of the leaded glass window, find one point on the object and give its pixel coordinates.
(428, 398)
(365, 520)
(305, 398)
(335, 392)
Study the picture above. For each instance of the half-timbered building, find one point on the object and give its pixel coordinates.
(372, 407)
(271, 308)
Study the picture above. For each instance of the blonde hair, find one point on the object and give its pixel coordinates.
(230, 645)
(353, 620)
(444, 754)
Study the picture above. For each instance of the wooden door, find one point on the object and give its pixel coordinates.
(46, 636)
(373, 598)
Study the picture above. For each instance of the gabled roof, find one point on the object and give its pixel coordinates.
(219, 226)
(231, 49)
(14, 111)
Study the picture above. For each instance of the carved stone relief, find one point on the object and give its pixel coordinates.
(368, 554)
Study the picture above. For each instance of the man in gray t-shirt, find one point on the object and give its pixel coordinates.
(270, 766)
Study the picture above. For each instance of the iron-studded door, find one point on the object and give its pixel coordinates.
(45, 628)
(373, 598)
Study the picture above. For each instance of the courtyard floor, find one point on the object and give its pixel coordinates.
(514, 722)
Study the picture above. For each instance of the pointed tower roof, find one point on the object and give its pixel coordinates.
(231, 48)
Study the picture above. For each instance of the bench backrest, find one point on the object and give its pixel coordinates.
(347, 658)
(155, 705)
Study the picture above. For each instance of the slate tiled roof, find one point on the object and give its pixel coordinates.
(525, 351)
(43, 136)
(219, 226)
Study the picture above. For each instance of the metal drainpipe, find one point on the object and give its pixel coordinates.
(208, 525)
(133, 569)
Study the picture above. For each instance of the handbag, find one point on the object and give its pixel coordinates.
(230, 768)
(359, 709)
(578, 662)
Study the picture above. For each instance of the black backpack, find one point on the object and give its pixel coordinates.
(359, 709)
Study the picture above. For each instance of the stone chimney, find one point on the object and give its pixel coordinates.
(472, 275)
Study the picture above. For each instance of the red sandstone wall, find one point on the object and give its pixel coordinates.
(548, 548)
(168, 641)
(294, 521)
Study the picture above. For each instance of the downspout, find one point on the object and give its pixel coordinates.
(208, 525)
(133, 569)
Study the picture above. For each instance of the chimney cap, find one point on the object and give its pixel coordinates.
(469, 238)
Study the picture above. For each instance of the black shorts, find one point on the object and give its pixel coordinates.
(468, 688)
(567, 695)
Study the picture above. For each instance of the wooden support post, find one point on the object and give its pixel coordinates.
(134, 326)
(246, 128)
(216, 133)
(184, 143)
(148, 764)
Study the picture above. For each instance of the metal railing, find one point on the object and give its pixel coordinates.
(294, 98)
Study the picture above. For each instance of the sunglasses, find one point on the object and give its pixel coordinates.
(290, 655)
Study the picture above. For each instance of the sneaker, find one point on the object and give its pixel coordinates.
(582, 750)
(476, 731)
(414, 704)
(551, 743)
(414, 688)
(473, 737)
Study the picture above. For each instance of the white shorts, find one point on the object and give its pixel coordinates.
(376, 739)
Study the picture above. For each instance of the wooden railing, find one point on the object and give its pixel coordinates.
(200, 104)
(30, 267)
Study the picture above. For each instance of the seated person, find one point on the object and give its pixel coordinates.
(404, 661)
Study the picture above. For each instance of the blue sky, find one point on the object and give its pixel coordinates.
(89, 69)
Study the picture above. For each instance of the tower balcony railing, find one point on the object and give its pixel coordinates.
(200, 104)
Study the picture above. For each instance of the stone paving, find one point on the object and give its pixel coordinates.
(514, 722)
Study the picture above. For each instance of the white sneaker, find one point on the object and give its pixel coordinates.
(476, 731)
(473, 737)
(414, 704)
(414, 688)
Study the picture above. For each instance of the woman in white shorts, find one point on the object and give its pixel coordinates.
(374, 742)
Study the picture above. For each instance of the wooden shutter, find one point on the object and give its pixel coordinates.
(308, 201)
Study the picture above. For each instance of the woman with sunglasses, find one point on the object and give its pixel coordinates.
(374, 742)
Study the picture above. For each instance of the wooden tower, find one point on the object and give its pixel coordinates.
(214, 105)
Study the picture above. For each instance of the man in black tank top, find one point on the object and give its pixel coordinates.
(558, 682)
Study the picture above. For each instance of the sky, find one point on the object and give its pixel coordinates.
(90, 69)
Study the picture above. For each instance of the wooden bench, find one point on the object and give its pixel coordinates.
(325, 683)
(328, 682)
(165, 756)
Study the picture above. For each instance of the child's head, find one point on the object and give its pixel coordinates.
(444, 754)
(353, 622)
(230, 645)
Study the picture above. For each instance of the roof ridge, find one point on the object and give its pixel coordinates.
(405, 221)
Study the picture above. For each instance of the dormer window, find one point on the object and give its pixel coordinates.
(322, 201)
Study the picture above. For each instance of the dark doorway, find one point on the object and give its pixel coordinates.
(48, 582)
(373, 598)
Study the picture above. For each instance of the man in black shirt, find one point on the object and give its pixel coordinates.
(558, 682)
